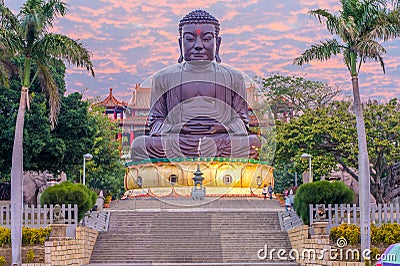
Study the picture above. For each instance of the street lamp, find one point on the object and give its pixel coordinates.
(308, 156)
(88, 157)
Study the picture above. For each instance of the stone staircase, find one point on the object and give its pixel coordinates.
(191, 237)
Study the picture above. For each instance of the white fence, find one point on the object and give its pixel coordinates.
(40, 216)
(350, 213)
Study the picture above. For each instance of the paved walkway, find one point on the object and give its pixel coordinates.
(208, 204)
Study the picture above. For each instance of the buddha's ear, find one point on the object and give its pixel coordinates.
(218, 43)
(180, 59)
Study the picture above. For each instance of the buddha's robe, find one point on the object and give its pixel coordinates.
(187, 100)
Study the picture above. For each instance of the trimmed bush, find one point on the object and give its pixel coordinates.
(30, 236)
(320, 192)
(69, 193)
(386, 234)
(5, 236)
(350, 232)
(35, 236)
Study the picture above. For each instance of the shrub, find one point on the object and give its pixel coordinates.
(386, 234)
(108, 199)
(320, 192)
(5, 236)
(69, 193)
(30, 236)
(30, 256)
(350, 232)
(2, 260)
(35, 236)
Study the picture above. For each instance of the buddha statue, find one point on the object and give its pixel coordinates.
(198, 106)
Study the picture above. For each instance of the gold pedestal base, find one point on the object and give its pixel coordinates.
(221, 177)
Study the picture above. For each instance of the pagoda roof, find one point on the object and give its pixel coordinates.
(111, 101)
(140, 98)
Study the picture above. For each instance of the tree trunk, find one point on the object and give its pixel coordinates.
(17, 181)
(363, 169)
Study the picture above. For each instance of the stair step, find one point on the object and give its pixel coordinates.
(190, 238)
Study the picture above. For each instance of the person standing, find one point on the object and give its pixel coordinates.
(291, 198)
(270, 191)
(265, 191)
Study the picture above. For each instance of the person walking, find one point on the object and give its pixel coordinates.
(287, 204)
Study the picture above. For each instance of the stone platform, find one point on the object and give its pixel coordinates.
(209, 203)
(222, 176)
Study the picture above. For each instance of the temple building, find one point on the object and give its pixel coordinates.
(137, 112)
(114, 109)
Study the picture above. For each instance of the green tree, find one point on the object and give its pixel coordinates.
(360, 26)
(105, 171)
(330, 136)
(58, 150)
(74, 129)
(290, 96)
(35, 43)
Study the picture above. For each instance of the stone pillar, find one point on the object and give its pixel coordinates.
(320, 230)
(58, 231)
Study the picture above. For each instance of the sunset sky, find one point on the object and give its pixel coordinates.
(130, 40)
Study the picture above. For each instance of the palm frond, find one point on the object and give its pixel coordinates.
(386, 26)
(53, 9)
(50, 88)
(8, 20)
(322, 51)
(10, 44)
(30, 22)
(348, 31)
(332, 23)
(371, 49)
(346, 58)
(369, 11)
(66, 49)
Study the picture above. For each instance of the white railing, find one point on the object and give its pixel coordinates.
(41, 216)
(97, 220)
(350, 214)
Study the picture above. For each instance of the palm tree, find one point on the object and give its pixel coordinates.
(36, 44)
(359, 27)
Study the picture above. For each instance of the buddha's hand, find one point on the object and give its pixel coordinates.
(195, 129)
(217, 129)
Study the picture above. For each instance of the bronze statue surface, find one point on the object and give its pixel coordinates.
(198, 107)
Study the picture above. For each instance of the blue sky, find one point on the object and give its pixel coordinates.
(130, 40)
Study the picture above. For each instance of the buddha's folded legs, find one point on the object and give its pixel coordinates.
(190, 146)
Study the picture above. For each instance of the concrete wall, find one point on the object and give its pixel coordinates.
(319, 243)
(72, 252)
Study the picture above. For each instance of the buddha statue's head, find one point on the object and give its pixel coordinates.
(199, 38)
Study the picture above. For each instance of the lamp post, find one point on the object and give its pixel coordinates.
(308, 156)
(88, 157)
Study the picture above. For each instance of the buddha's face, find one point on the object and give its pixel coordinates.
(198, 42)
